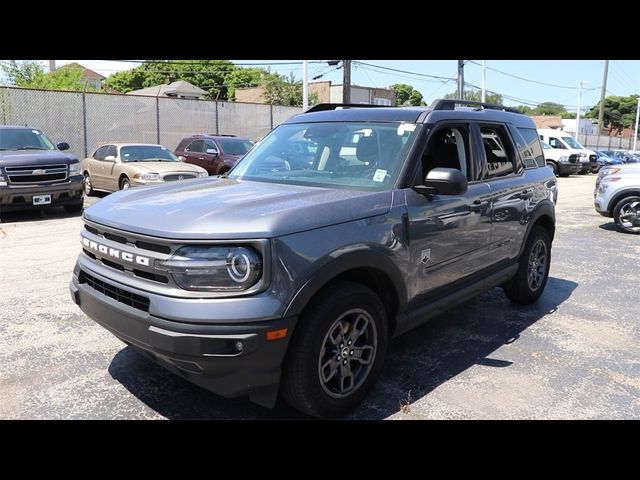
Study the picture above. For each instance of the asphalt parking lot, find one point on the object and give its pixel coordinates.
(572, 355)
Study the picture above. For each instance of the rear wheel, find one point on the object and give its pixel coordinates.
(528, 283)
(627, 214)
(337, 351)
(125, 183)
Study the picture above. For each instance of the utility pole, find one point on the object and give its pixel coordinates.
(346, 81)
(602, 94)
(305, 87)
(579, 105)
(52, 66)
(635, 138)
(484, 81)
(461, 79)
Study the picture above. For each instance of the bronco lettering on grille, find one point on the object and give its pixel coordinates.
(115, 253)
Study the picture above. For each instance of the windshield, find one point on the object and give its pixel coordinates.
(147, 153)
(573, 143)
(24, 139)
(235, 146)
(367, 156)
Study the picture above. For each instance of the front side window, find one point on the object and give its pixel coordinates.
(235, 146)
(24, 139)
(448, 147)
(573, 143)
(147, 153)
(555, 143)
(350, 155)
(196, 146)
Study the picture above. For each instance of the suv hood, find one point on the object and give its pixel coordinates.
(229, 209)
(16, 158)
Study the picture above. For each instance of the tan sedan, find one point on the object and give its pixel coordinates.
(118, 166)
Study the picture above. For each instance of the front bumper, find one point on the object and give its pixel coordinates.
(21, 197)
(206, 354)
(600, 204)
(567, 168)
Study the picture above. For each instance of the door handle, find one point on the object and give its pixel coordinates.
(477, 206)
(200, 158)
(526, 194)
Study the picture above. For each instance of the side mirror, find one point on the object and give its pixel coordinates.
(110, 158)
(182, 158)
(443, 181)
(63, 146)
(212, 151)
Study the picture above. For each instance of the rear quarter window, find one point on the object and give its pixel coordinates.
(529, 147)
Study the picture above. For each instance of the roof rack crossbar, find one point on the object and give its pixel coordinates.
(441, 104)
(320, 107)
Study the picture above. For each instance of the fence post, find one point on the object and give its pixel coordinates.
(158, 119)
(271, 115)
(217, 120)
(84, 123)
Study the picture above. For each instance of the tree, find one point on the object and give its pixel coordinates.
(549, 108)
(407, 95)
(210, 75)
(280, 90)
(525, 109)
(476, 96)
(30, 74)
(619, 112)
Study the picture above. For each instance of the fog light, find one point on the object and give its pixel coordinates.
(239, 346)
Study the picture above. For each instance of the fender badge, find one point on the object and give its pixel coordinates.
(425, 256)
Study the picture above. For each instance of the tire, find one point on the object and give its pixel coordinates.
(529, 281)
(125, 183)
(629, 207)
(88, 185)
(339, 305)
(554, 167)
(75, 208)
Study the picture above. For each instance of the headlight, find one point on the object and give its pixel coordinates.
(147, 176)
(74, 167)
(3, 181)
(608, 171)
(215, 269)
(203, 174)
(563, 159)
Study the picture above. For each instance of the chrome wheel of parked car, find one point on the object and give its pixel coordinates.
(627, 214)
(124, 184)
(88, 186)
(553, 166)
(347, 354)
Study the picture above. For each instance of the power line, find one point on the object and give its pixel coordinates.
(523, 78)
(401, 71)
(202, 62)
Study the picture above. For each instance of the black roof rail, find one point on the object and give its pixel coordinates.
(332, 106)
(442, 104)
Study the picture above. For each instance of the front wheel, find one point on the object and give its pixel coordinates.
(627, 215)
(125, 184)
(88, 186)
(553, 167)
(337, 351)
(529, 281)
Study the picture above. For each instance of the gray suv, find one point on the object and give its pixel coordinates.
(288, 276)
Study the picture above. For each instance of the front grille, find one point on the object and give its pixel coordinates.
(593, 158)
(153, 247)
(156, 247)
(118, 294)
(574, 158)
(37, 173)
(176, 176)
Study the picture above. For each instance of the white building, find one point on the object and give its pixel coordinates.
(587, 126)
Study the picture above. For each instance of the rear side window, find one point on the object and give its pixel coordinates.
(100, 153)
(532, 144)
(498, 152)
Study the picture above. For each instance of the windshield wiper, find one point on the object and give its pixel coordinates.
(31, 148)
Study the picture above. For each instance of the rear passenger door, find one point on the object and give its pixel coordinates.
(97, 168)
(511, 193)
(448, 234)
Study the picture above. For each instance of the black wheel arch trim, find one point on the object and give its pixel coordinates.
(341, 264)
(545, 208)
(626, 192)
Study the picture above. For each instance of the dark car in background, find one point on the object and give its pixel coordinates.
(604, 159)
(217, 154)
(624, 155)
(34, 173)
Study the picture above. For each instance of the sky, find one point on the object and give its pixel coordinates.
(562, 77)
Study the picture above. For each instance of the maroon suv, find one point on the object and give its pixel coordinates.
(215, 153)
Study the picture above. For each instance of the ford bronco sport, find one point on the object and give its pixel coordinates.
(34, 173)
(286, 277)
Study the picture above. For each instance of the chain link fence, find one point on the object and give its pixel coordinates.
(605, 142)
(85, 120)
